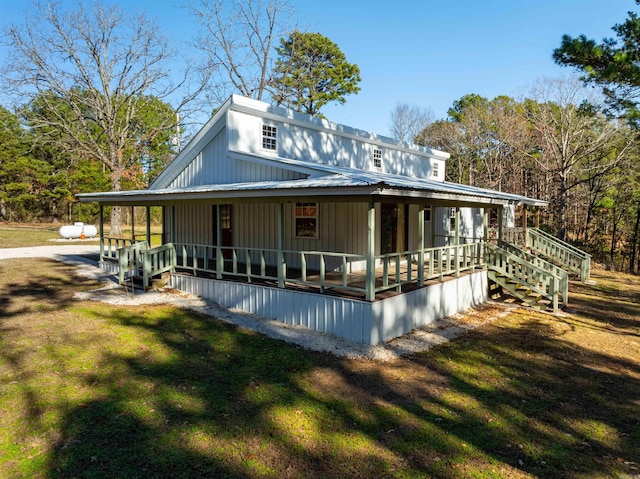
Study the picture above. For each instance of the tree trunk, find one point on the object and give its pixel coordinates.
(560, 208)
(634, 242)
(116, 211)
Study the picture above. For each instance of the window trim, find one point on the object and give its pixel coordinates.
(452, 219)
(269, 137)
(427, 217)
(435, 169)
(305, 215)
(377, 158)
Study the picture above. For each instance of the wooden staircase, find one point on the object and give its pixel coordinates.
(529, 283)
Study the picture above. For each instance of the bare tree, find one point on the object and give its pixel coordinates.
(407, 121)
(238, 38)
(90, 75)
(575, 142)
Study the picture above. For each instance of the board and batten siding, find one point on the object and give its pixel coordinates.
(320, 146)
(342, 227)
(213, 166)
(193, 223)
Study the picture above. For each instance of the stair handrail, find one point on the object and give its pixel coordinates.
(158, 260)
(581, 257)
(537, 279)
(130, 258)
(569, 246)
(562, 274)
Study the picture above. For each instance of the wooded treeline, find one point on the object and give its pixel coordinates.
(555, 145)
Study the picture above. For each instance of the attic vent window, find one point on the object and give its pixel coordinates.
(269, 135)
(377, 158)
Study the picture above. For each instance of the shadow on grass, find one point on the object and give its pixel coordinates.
(177, 394)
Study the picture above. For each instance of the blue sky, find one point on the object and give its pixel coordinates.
(425, 53)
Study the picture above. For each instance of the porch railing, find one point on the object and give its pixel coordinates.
(109, 246)
(324, 270)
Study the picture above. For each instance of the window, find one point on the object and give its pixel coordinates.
(377, 158)
(435, 169)
(452, 219)
(427, 214)
(306, 220)
(269, 136)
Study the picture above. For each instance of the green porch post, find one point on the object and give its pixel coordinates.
(500, 223)
(524, 225)
(421, 246)
(219, 256)
(456, 256)
(485, 227)
(282, 267)
(371, 244)
(133, 229)
(101, 232)
(148, 213)
(485, 224)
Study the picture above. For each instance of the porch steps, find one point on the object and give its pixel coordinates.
(502, 286)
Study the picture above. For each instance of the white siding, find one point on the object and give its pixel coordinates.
(307, 144)
(213, 166)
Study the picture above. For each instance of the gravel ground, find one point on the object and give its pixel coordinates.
(418, 340)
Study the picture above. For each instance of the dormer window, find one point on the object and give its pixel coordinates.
(435, 172)
(377, 158)
(269, 137)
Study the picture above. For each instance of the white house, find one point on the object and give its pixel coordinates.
(313, 223)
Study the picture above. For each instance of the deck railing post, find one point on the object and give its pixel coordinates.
(371, 235)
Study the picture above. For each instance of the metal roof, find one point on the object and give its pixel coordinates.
(330, 181)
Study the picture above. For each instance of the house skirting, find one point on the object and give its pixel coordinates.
(355, 320)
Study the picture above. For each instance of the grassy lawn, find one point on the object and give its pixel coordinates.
(93, 390)
(18, 236)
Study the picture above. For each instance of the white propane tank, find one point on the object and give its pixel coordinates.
(77, 230)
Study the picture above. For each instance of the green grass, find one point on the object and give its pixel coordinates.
(93, 390)
(19, 236)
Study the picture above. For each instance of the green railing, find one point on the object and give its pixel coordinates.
(546, 265)
(574, 259)
(521, 271)
(138, 259)
(345, 271)
(403, 268)
(158, 260)
(109, 246)
(130, 260)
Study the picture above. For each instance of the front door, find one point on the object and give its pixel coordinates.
(226, 222)
(388, 228)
